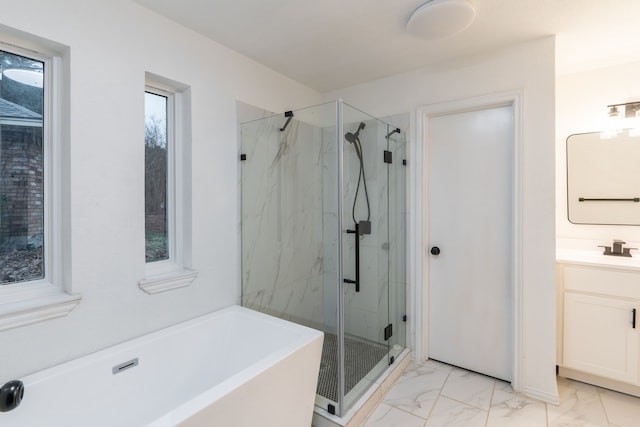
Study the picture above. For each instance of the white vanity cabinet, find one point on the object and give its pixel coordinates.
(599, 338)
(599, 324)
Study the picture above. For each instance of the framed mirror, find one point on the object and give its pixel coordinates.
(603, 179)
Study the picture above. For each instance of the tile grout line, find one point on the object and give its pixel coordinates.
(426, 419)
(604, 408)
(493, 392)
(383, 402)
(546, 413)
(438, 397)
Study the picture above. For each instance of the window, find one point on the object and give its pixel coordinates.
(167, 188)
(156, 161)
(34, 185)
(22, 164)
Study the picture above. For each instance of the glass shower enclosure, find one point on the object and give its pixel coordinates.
(324, 237)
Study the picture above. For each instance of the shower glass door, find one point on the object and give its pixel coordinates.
(323, 237)
(398, 218)
(365, 251)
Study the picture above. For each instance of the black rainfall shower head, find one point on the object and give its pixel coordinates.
(351, 137)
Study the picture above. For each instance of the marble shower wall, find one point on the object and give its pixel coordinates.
(330, 228)
(290, 219)
(282, 221)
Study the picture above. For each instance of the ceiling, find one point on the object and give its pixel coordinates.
(331, 44)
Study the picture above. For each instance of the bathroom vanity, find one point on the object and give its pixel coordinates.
(599, 318)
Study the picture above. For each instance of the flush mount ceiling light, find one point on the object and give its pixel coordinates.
(441, 18)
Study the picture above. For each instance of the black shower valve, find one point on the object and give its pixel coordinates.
(364, 227)
(11, 395)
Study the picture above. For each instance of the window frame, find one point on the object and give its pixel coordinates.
(174, 272)
(28, 302)
(158, 267)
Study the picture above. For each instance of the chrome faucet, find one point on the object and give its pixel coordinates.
(617, 249)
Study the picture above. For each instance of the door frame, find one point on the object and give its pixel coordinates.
(420, 223)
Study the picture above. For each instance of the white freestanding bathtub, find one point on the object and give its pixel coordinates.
(235, 367)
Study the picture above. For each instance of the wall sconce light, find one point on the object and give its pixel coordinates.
(622, 117)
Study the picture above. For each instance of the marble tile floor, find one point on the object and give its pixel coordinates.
(433, 394)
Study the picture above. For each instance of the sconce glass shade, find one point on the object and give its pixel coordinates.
(613, 124)
(622, 117)
(614, 113)
(441, 18)
(634, 131)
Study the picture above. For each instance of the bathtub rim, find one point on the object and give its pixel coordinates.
(303, 336)
(185, 410)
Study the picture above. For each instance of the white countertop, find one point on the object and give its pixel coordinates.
(595, 258)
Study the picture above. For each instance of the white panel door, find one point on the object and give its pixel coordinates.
(470, 197)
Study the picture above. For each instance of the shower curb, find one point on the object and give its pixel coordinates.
(357, 415)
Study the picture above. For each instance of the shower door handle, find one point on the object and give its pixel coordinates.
(356, 282)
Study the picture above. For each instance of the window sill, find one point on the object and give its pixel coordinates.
(21, 313)
(168, 281)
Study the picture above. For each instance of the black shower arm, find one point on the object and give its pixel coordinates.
(396, 130)
(289, 116)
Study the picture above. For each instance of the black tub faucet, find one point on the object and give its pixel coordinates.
(11, 395)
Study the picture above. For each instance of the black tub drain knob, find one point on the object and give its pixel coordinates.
(11, 395)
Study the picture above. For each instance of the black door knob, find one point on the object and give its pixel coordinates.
(435, 250)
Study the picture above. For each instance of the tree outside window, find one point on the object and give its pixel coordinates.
(156, 171)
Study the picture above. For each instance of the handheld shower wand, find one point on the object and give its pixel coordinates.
(362, 227)
(354, 138)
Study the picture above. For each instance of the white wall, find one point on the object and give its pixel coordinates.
(112, 43)
(581, 106)
(531, 68)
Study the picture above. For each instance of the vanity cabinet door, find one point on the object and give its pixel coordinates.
(599, 337)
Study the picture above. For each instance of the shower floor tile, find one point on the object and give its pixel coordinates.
(360, 357)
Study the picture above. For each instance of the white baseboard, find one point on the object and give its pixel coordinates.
(552, 398)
